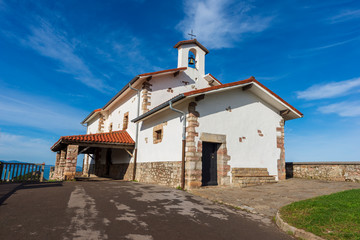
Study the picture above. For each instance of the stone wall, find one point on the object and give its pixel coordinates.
(146, 96)
(59, 171)
(332, 171)
(101, 123)
(281, 144)
(162, 173)
(192, 156)
(71, 161)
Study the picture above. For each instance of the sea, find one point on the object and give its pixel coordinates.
(46, 169)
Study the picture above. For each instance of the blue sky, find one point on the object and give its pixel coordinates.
(59, 60)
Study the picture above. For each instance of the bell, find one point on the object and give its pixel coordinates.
(191, 60)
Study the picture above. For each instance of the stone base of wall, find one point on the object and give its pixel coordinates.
(162, 173)
(244, 177)
(331, 171)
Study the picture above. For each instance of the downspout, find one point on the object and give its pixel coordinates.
(183, 144)
(137, 130)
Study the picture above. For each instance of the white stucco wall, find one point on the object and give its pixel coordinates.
(161, 84)
(116, 114)
(248, 115)
(93, 125)
(119, 156)
(169, 149)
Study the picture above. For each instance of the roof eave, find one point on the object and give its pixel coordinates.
(121, 91)
(296, 113)
(279, 100)
(141, 76)
(192, 41)
(158, 108)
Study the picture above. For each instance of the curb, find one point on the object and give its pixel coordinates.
(299, 233)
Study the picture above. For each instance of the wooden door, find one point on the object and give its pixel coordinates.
(209, 163)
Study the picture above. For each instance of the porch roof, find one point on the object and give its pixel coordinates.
(115, 138)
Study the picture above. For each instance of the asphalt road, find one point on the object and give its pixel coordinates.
(123, 210)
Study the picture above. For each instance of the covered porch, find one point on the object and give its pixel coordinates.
(106, 155)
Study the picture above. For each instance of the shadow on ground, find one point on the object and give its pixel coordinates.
(8, 189)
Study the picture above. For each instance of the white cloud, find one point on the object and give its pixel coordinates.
(271, 78)
(220, 23)
(313, 51)
(25, 149)
(53, 43)
(330, 90)
(19, 109)
(332, 45)
(343, 109)
(344, 16)
(125, 52)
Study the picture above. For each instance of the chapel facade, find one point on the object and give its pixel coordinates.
(183, 128)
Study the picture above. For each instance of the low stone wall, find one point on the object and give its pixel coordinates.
(162, 173)
(332, 171)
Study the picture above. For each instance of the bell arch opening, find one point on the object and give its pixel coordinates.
(192, 58)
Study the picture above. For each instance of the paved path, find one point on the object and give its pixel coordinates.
(269, 198)
(124, 210)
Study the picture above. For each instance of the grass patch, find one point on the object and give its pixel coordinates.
(335, 216)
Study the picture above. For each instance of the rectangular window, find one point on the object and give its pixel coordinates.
(158, 134)
(126, 121)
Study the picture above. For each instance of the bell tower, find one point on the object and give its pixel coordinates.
(192, 54)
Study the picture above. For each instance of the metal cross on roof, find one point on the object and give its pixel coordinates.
(191, 34)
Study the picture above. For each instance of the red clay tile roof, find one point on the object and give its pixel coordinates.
(208, 89)
(192, 41)
(249, 80)
(116, 137)
(90, 115)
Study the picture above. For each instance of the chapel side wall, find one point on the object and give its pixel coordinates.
(168, 86)
(250, 128)
(160, 161)
(115, 114)
(169, 149)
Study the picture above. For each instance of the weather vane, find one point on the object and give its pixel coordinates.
(192, 35)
